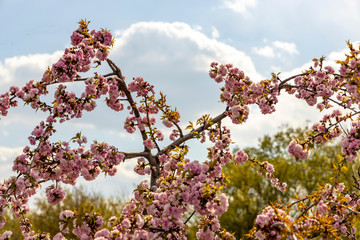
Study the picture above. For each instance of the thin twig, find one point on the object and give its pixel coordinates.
(192, 214)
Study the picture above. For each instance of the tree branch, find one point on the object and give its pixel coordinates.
(283, 82)
(84, 79)
(193, 133)
(155, 172)
(129, 155)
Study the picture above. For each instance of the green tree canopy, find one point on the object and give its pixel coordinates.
(249, 193)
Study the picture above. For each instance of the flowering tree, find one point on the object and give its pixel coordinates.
(177, 186)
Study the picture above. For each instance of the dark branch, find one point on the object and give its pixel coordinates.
(84, 79)
(129, 155)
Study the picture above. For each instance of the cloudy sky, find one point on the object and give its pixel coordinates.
(171, 44)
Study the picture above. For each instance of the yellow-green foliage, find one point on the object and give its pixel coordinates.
(45, 217)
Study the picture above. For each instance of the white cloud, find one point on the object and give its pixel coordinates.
(148, 43)
(276, 49)
(214, 32)
(197, 27)
(266, 51)
(20, 69)
(17, 117)
(8, 154)
(126, 170)
(239, 6)
(287, 47)
(162, 42)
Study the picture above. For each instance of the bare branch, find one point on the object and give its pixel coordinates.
(188, 219)
(129, 155)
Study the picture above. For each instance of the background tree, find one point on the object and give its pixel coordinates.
(45, 216)
(249, 193)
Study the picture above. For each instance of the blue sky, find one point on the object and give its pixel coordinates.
(171, 44)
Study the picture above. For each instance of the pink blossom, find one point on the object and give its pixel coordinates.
(259, 235)
(321, 207)
(83, 232)
(222, 70)
(107, 38)
(340, 187)
(297, 150)
(2, 222)
(102, 54)
(270, 168)
(126, 223)
(76, 38)
(223, 206)
(207, 234)
(241, 157)
(174, 134)
(66, 214)
(38, 131)
(167, 123)
(212, 74)
(54, 195)
(59, 236)
(149, 143)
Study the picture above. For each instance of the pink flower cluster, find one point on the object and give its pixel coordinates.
(239, 91)
(54, 195)
(149, 144)
(78, 58)
(67, 105)
(297, 150)
(316, 84)
(332, 211)
(351, 142)
(5, 103)
(142, 167)
(6, 235)
(210, 229)
(65, 165)
(350, 70)
(271, 223)
(240, 157)
(141, 87)
(30, 94)
(332, 204)
(269, 168)
(324, 131)
(113, 100)
(84, 226)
